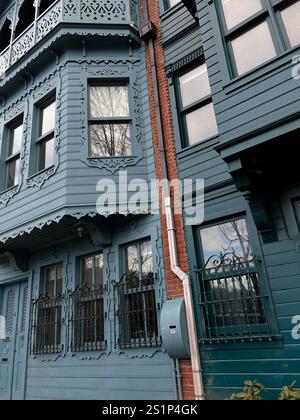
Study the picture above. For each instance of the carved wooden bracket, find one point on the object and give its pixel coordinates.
(257, 197)
(18, 260)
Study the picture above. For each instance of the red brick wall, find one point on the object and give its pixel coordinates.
(173, 284)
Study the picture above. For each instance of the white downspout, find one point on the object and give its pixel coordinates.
(192, 332)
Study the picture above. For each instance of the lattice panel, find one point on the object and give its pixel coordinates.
(49, 21)
(4, 62)
(70, 9)
(24, 313)
(104, 10)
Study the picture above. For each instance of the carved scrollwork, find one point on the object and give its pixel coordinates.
(228, 262)
(114, 164)
(48, 22)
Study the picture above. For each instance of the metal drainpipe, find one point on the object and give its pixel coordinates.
(184, 277)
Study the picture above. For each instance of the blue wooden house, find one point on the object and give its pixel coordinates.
(82, 281)
(234, 66)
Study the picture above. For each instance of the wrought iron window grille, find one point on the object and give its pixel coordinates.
(46, 324)
(233, 306)
(86, 318)
(135, 311)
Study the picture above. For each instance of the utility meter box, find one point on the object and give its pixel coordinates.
(174, 329)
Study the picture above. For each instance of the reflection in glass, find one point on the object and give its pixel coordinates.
(237, 11)
(291, 20)
(46, 154)
(253, 48)
(13, 173)
(15, 143)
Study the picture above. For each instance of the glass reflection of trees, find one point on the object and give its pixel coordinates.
(110, 132)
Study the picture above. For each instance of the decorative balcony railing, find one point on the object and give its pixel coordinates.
(70, 11)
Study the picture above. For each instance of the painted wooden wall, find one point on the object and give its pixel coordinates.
(70, 188)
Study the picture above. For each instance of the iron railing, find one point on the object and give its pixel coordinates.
(69, 11)
(135, 312)
(86, 319)
(231, 300)
(46, 325)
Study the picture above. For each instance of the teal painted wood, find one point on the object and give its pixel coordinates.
(255, 101)
(70, 186)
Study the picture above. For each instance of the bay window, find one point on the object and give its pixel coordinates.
(46, 134)
(86, 320)
(232, 295)
(135, 294)
(47, 313)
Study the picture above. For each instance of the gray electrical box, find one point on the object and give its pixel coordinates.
(174, 329)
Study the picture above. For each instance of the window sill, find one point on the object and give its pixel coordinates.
(253, 75)
(197, 147)
(40, 172)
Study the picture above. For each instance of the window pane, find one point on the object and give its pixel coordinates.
(99, 270)
(253, 48)
(291, 19)
(59, 279)
(48, 118)
(13, 173)
(236, 11)
(109, 101)
(46, 154)
(16, 138)
(87, 271)
(173, 2)
(147, 263)
(228, 238)
(201, 124)
(194, 85)
(110, 140)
